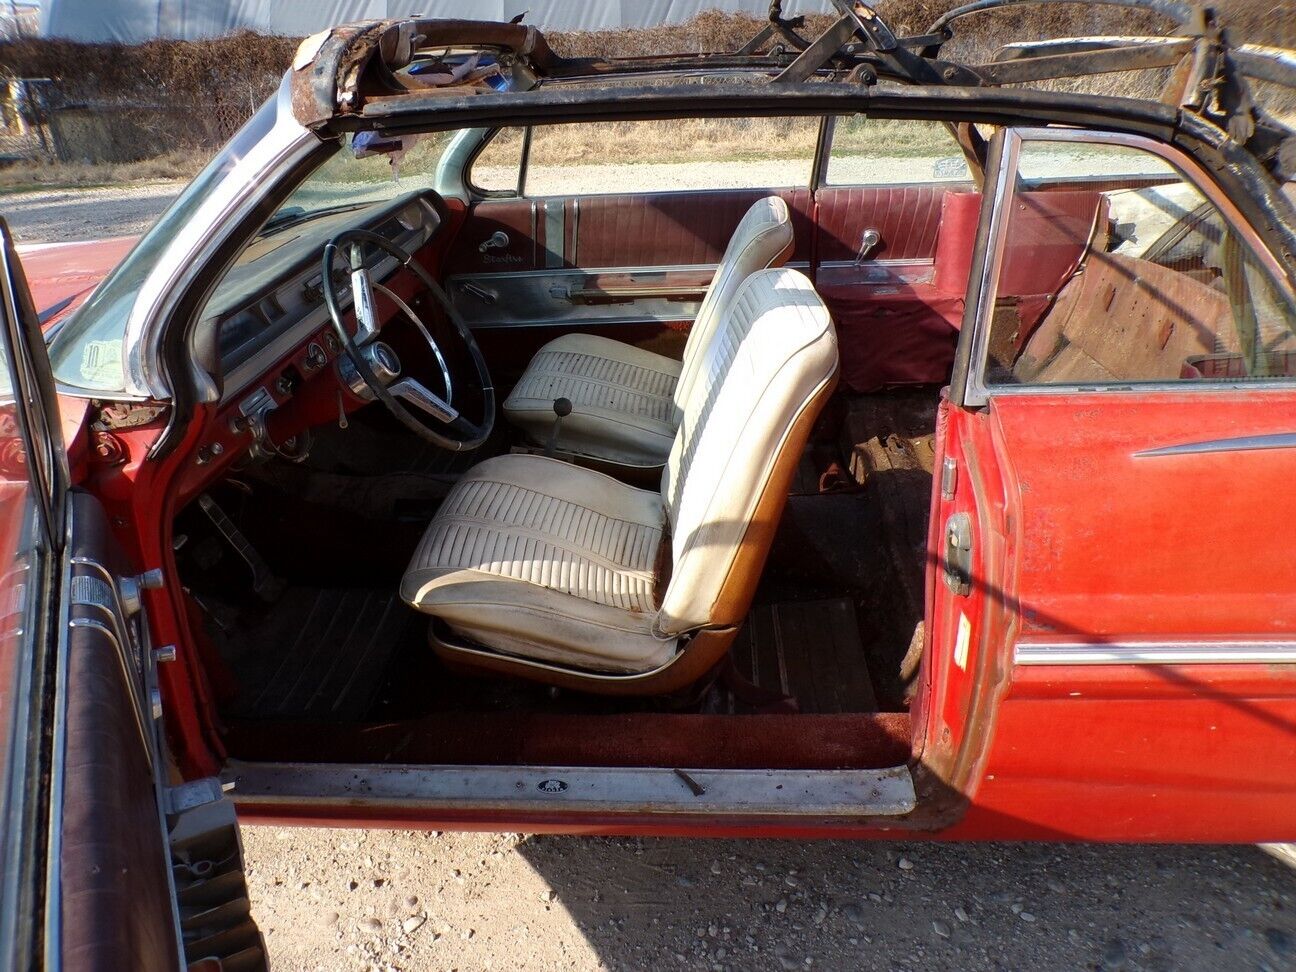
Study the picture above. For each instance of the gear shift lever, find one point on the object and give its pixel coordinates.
(562, 408)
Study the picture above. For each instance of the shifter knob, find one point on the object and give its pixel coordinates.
(562, 408)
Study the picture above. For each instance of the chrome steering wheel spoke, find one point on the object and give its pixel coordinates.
(365, 369)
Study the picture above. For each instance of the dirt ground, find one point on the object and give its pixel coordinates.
(348, 899)
(384, 900)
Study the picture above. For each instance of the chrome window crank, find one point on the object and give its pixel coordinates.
(869, 240)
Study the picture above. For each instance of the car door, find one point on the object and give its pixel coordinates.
(109, 863)
(615, 228)
(1112, 590)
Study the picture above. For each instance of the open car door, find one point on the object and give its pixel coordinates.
(1112, 585)
(106, 864)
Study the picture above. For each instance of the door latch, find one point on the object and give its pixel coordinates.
(956, 566)
(497, 241)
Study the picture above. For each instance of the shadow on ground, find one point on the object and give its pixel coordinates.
(645, 903)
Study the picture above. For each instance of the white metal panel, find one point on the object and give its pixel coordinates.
(134, 21)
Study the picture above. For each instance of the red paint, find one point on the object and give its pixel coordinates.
(1104, 545)
(1075, 538)
(62, 270)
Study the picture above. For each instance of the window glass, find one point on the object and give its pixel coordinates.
(677, 154)
(365, 169)
(497, 169)
(1116, 269)
(360, 175)
(883, 152)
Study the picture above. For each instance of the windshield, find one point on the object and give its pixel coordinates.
(330, 199)
(86, 351)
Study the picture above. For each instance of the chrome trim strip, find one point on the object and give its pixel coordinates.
(1005, 190)
(555, 214)
(1243, 443)
(579, 789)
(489, 275)
(1154, 652)
(575, 233)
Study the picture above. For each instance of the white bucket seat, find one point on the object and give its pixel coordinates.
(626, 401)
(554, 571)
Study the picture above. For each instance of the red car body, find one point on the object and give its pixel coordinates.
(1108, 639)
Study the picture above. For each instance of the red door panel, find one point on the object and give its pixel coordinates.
(897, 311)
(672, 229)
(633, 267)
(516, 219)
(1118, 543)
(906, 217)
(1115, 544)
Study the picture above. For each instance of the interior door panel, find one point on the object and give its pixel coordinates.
(897, 305)
(629, 266)
(907, 219)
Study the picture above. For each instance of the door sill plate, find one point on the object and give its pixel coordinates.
(545, 789)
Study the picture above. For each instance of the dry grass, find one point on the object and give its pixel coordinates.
(39, 174)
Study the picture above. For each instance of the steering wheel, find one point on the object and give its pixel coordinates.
(372, 368)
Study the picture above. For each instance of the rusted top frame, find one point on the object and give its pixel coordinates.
(339, 72)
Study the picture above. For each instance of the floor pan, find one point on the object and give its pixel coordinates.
(319, 654)
(809, 651)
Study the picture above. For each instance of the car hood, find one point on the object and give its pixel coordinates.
(62, 275)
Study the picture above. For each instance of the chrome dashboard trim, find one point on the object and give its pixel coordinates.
(248, 372)
(1188, 652)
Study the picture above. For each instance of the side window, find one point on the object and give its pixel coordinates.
(679, 154)
(1117, 269)
(497, 168)
(885, 152)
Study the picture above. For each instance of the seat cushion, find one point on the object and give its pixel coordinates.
(548, 560)
(622, 404)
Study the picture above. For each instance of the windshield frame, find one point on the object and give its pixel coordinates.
(133, 301)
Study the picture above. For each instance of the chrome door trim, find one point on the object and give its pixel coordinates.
(875, 273)
(977, 392)
(578, 789)
(1242, 443)
(1186, 652)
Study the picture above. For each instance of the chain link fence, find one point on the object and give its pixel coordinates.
(40, 123)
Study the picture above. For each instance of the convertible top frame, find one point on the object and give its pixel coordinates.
(349, 69)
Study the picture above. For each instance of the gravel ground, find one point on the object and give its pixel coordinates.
(65, 215)
(350, 899)
(347, 899)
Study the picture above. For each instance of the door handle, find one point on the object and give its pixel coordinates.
(956, 566)
(869, 241)
(497, 241)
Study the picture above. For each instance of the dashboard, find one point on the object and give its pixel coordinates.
(272, 299)
(274, 331)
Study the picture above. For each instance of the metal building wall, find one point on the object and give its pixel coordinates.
(133, 21)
